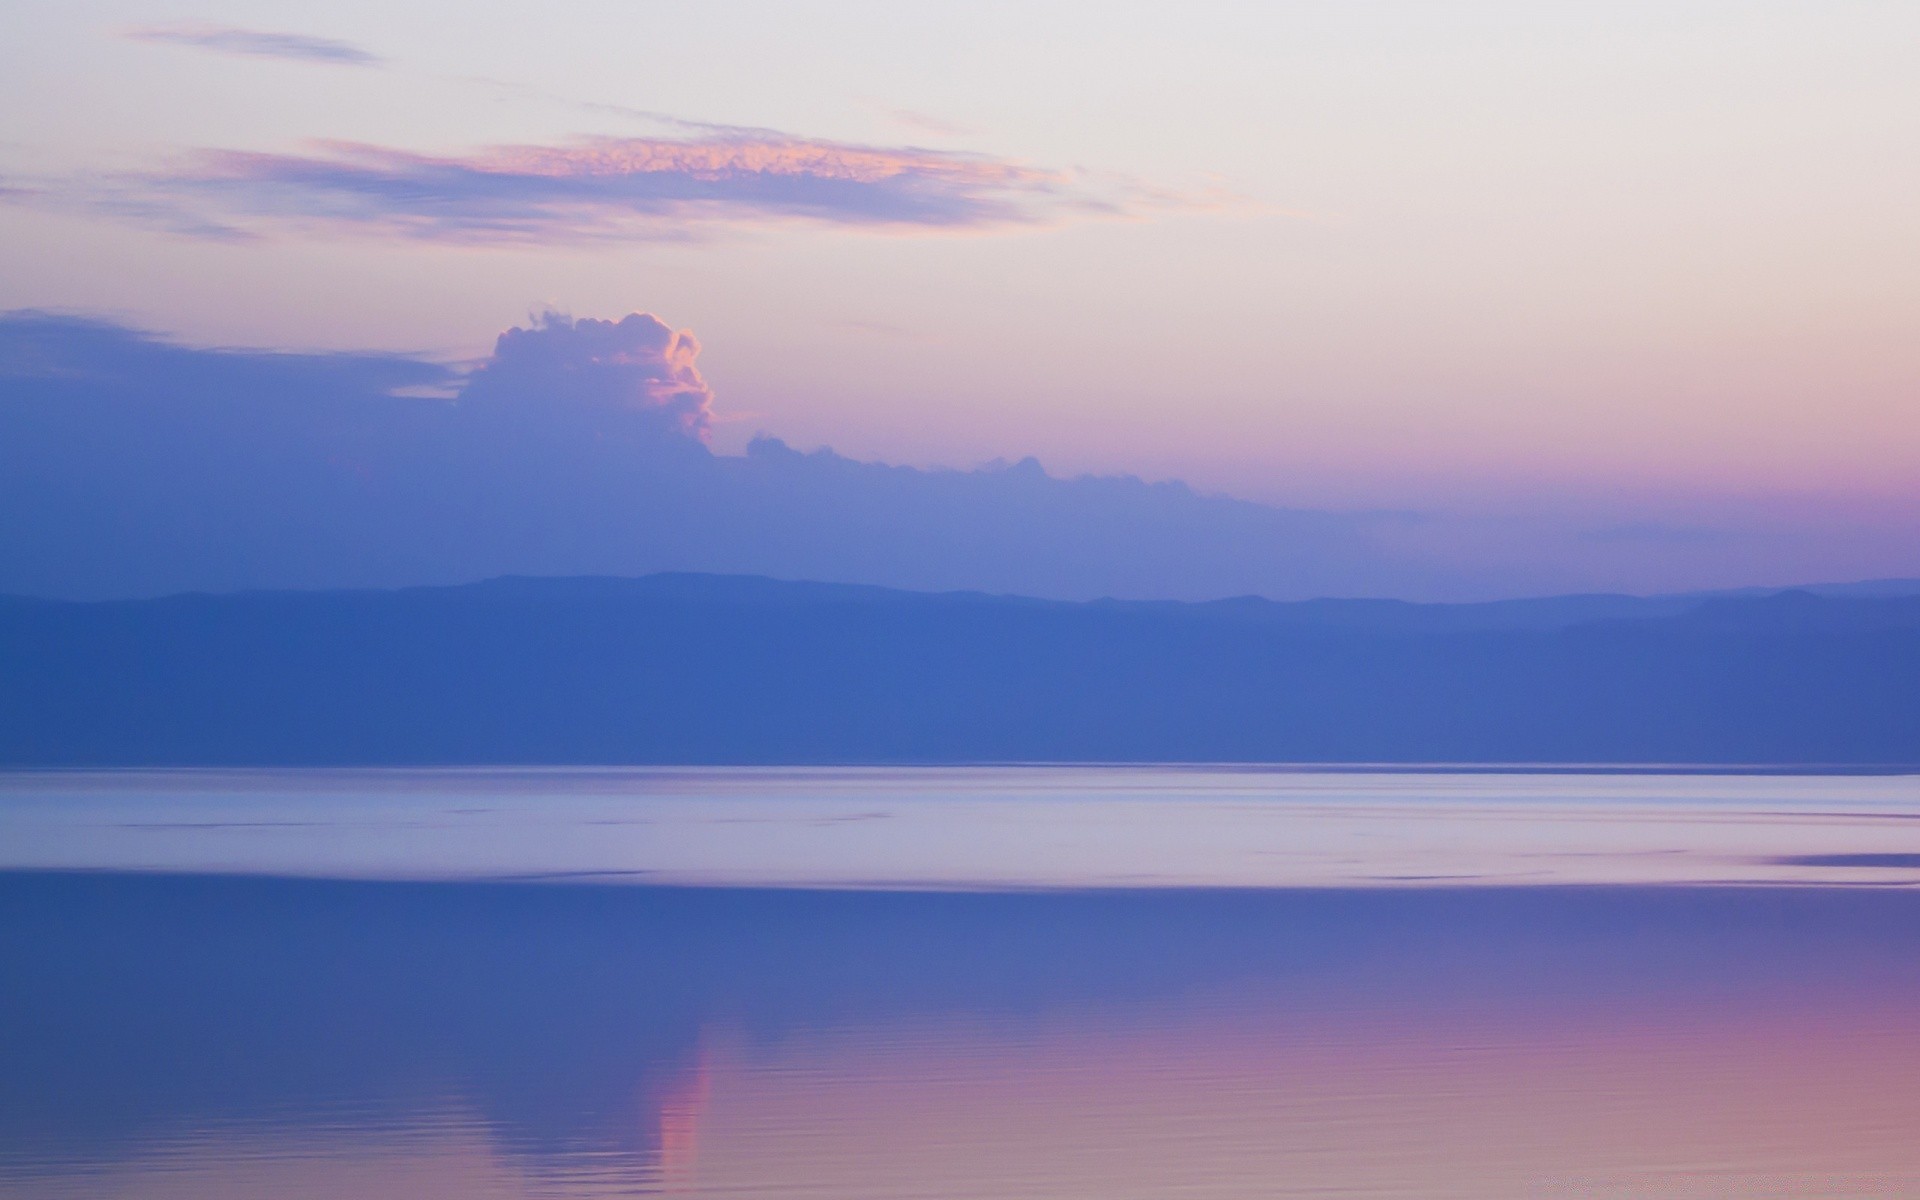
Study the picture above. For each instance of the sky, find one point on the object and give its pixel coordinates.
(1596, 286)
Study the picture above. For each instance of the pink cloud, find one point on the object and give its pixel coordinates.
(636, 367)
(601, 188)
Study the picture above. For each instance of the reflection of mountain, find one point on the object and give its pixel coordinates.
(713, 669)
(571, 1021)
(147, 1009)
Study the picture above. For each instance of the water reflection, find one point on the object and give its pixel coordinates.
(227, 1037)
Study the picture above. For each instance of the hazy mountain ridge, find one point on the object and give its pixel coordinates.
(706, 669)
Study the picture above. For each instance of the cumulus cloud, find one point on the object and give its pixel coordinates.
(599, 188)
(255, 43)
(129, 465)
(638, 366)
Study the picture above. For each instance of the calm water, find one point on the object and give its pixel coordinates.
(971, 983)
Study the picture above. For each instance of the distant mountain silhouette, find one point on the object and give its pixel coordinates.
(730, 669)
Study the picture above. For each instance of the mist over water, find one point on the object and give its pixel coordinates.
(411, 1021)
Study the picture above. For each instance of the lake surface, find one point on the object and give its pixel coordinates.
(976, 827)
(1072, 982)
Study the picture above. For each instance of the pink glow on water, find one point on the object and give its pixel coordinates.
(1679, 985)
(1217, 1100)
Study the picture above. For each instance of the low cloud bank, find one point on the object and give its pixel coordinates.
(130, 466)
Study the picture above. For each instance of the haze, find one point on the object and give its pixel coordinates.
(1607, 296)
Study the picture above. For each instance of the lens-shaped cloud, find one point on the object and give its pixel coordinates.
(255, 43)
(601, 188)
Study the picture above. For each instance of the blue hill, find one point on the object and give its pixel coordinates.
(728, 669)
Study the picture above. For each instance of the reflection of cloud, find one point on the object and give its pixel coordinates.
(681, 1111)
(606, 187)
(255, 43)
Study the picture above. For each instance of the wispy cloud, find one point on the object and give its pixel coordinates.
(927, 123)
(601, 188)
(255, 43)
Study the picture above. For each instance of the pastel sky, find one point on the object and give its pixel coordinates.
(1637, 265)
